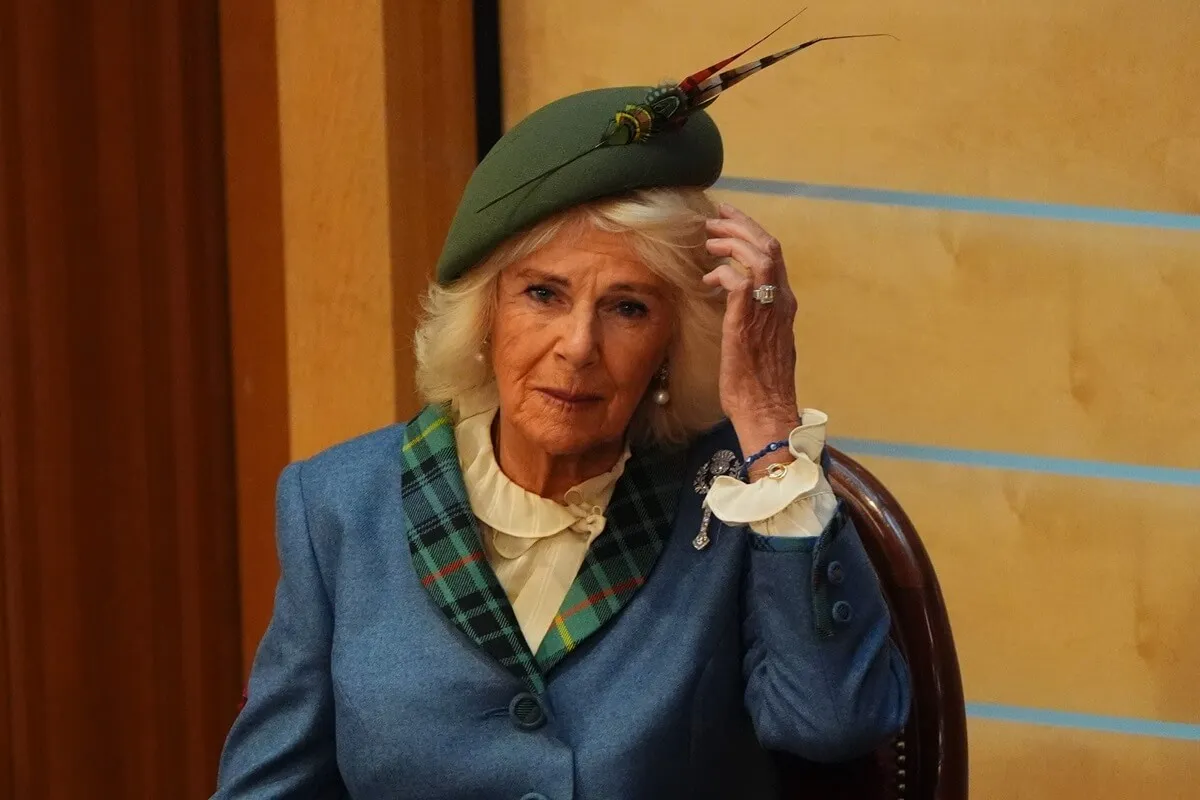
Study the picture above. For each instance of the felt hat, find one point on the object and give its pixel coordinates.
(595, 144)
(553, 135)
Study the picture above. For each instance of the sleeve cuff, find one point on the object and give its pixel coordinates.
(807, 517)
(740, 503)
(799, 503)
(808, 438)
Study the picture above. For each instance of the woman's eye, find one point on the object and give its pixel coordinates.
(542, 294)
(632, 309)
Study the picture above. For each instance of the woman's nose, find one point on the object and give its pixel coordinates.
(578, 342)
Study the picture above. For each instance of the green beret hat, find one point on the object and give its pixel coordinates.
(551, 149)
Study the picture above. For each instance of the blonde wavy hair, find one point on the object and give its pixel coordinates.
(666, 229)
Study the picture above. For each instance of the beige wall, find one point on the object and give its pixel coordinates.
(337, 244)
(334, 227)
(949, 337)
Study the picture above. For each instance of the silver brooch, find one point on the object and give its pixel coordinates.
(723, 462)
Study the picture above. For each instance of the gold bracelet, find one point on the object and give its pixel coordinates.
(775, 471)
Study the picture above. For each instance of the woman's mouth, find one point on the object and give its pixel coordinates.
(570, 397)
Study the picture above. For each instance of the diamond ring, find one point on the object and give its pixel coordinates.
(765, 294)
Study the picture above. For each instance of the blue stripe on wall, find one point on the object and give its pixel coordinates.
(1015, 461)
(979, 205)
(1091, 722)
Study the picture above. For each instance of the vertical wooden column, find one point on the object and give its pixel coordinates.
(349, 133)
(258, 328)
(117, 537)
(8, 245)
(337, 250)
(429, 54)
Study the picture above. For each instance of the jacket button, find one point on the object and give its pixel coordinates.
(534, 796)
(842, 611)
(836, 573)
(526, 712)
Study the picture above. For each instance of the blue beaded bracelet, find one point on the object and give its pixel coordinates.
(771, 448)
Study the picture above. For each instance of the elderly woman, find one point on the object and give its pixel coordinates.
(604, 561)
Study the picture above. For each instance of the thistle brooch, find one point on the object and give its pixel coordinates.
(722, 462)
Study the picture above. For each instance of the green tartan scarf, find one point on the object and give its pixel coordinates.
(449, 559)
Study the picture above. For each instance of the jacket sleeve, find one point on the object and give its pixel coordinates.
(282, 743)
(823, 679)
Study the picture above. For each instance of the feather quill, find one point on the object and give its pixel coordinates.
(668, 106)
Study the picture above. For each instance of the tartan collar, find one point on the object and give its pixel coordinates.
(447, 553)
(619, 562)
(449, 559)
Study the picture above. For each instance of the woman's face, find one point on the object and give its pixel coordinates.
(581, 328)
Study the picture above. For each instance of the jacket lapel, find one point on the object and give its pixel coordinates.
(619, 561)
(446, 549)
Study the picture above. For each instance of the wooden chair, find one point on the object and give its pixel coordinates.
(928, 759)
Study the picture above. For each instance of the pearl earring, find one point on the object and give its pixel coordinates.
(662, 396)
(480, 357)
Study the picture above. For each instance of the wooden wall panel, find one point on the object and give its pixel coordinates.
(431, 154)
(1000, 333)
(1029, 762)
(350, 133)
(337, 247)
(10, 248)
(1093, 104)
(258, 326)
(120, 604)
(7, 787)
(1069, 593)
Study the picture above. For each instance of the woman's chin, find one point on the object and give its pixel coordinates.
(567, 428)
(563, 440)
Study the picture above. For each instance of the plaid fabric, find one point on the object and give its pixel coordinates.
(619, 561)
(446, 550)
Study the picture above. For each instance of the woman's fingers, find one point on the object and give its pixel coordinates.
(730, 211)
(751, 231)
(728, 278)
(737, 287)
(762, 267)
(733, 224)
(737, 237)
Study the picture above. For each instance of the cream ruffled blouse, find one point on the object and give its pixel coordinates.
(536, 545)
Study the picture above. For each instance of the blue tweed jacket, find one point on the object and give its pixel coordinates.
(393, 666)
